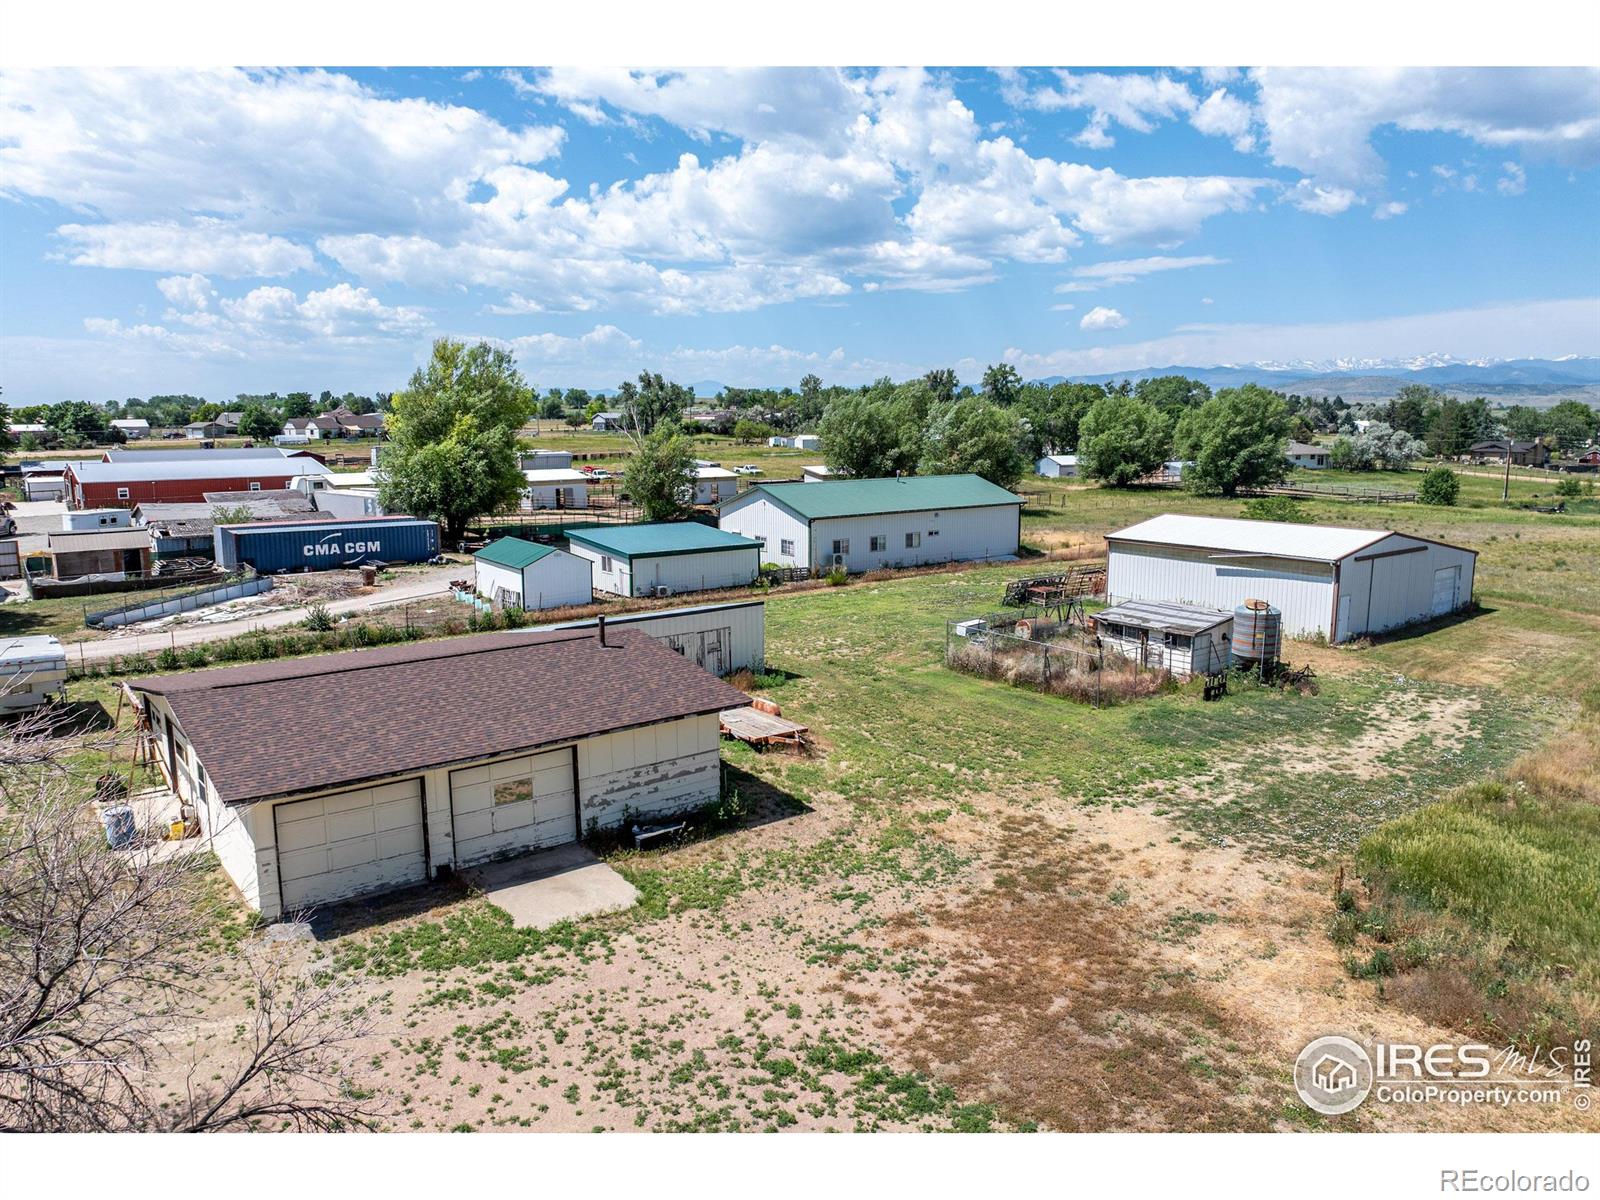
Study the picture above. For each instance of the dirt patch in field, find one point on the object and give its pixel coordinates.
(1395, 723)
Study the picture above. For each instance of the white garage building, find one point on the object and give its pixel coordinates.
(716, 637)
(666, 558)
(468, 750)
(526, 575)
(1057, 466)
(555, 487)
(864, 524)
(1323, 578)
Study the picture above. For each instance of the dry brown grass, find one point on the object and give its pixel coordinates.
(1567, 766)
(1071, 674)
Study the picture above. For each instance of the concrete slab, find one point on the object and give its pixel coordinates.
(543, 889)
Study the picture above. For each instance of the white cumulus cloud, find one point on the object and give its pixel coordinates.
(1100, 317)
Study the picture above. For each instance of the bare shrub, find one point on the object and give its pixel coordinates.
(99, 953)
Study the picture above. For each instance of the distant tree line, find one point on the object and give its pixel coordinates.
(74, 424)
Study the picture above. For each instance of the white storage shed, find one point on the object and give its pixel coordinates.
(555, 487)
(666, 559)
(1182, 638)
(713, 484)
(1057, 466)
(446, 772)
(526, 575)
(33, 670)
(864, 524)
(1324, 579)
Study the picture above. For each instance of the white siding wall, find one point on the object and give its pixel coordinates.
(1390, 590)
(557, 580)
(655, 771)
(681, 572)
(773, 524)
(958, 534)
(744, 625)
(542, 496)
(488, 578)
(1301, 591)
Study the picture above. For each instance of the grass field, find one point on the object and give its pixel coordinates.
(978, 907)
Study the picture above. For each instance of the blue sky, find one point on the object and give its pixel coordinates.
(225, 231)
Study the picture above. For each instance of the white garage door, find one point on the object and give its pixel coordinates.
(341, 846)
(1446, 584)
(508, 807)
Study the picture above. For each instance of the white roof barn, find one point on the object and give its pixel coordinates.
(1324, 579)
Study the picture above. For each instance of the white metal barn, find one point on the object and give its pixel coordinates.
(1057, 466)
(864, 524)
(667, 558)
(546, 460)
(446, 772)
(718, 638)
(555, 487)
(1323, 578)
(526, 575)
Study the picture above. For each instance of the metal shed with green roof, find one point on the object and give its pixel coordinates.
(866, 524)
(666, 558)
(523, 574)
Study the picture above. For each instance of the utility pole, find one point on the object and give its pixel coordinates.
(1505, 488)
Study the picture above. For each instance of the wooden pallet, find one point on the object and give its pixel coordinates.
(759, 728)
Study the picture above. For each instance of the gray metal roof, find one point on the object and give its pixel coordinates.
(1169, 618)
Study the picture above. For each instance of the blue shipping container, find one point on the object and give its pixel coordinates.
(325, 545)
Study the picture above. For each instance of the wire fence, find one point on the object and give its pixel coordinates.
(1028, 648)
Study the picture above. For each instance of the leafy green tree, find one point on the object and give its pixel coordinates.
(1236, 439)
(256, 422)
(297, 406)
(1121, 439)
(653, 402)
(207, 412)
(1002, 384)
(1174, 395)
(1411, 406)
(77, 418)
(811, 389)
(942, 382)
(860, 436)
(552, 406)
(1377, 448)
(974, 436)
(1439, 486)
(1571, 424)
(1275, 508)
(1053, 415)
(1524, 423)
(453, 434)
(748, 432)
(659, 477)
(7, 441)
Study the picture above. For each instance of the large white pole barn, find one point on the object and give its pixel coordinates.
(1323, 578)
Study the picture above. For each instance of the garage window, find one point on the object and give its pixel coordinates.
(786, 547)
(878, 543)
(513, 791)
(122, 493)
(913, 540)
(605, 564)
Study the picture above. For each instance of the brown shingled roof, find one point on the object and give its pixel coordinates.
(287, 727)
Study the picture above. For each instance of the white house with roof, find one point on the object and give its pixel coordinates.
(1324, 579)
(606, 422)
(555, 487)
(865, 524)
(1304, 454)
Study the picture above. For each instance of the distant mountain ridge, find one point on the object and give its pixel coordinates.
(1524, 380)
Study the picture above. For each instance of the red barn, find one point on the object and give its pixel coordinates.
(127, 481)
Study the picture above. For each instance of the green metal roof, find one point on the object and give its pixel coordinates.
(871, 497)
(658, 541)
(513, 552)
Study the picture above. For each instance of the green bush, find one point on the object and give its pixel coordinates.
(836, 577)
(1440, 486)
(318, 618)
(168, 660)
(1569, 489)
(1275, 508)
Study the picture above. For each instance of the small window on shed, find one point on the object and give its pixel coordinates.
(913, 540)
(878, 543)
(513, 791)
(786, 547)
(122, 493)
(605, 563)
(255, 485)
